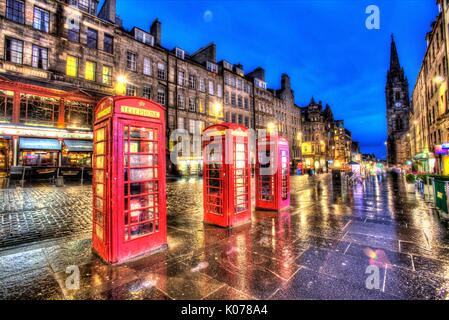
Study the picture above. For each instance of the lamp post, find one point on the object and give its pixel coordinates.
(120, 85)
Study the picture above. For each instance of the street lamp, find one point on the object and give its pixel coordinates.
(120, 84)
(438, 79)
(271, 127)
(218, 110)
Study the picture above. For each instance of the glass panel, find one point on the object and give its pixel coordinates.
(100, 148)
(100, 162)
(99, 190)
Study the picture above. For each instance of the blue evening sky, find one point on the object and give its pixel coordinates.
(322, 44)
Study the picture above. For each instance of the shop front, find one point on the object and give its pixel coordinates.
(44, 129)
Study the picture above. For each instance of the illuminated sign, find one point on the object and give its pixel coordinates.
(25, 70)
(104, 112)
(440, 150)
(44, 133)
(445, 146)
(140, 112)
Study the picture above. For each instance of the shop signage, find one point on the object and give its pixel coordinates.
(140, 112)
(440, 150)
(44, 133)
(104, 112)
(25, 70)
(445, 146)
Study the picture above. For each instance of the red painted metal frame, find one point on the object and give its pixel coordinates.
(274, 184)
(221, 204)
(144, 178)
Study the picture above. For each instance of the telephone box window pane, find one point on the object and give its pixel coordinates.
(142, 160)
(100, 163)
(100, 148)
(142, 188)
(99, 232)
(142, 133)
(99, 190)
(99, 135)
(99, 176)
(99, 204)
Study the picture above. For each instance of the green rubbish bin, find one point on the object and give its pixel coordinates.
(441, 187)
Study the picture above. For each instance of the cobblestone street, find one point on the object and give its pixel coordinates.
(319, 249)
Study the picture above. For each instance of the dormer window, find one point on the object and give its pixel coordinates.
(260, 84)
(212, 67)
(239, 72)
(180, 53)
(143, 37)
(89, 6)
(227, 65)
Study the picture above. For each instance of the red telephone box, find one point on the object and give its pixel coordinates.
(129, 204)
(226, 175)
(272, 173)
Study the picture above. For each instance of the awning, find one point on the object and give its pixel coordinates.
(39, 144)
(78, 145)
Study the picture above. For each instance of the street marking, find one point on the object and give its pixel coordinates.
(346, 225)
(347, 248)
(385, 277)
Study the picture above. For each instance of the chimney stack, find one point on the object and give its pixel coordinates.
(155, 31)
(108, 11)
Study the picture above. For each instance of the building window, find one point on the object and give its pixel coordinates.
(72, 66)
(247, 122)
(192, 104)
(202, 85)
(201, 106)
(90, 72)
(161, 97)
(14, 51)
(226, 97)
(161, 72)
(239, 101)
(212, 67)
(233, 118)
(131, 90)
(131, 61)
(146, 92)
(143, 37)
(191, 81)
(180, 53)
(233, 100)
(78, 115)
(92, 38)
(240, 119)
(211, 88)
(73, 33)
(41, 20)
(181, 123)
(219, 91)
(108, 43)
(39, 110)
(181, 78)
(147, 66)
(246, 103)
(15, 11)
(107, 75)
(39, 57)
(181, 101)
(6, 105)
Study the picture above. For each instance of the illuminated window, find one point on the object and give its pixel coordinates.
(131, 90)
(72, 66)
(90, 70)
(107, 75)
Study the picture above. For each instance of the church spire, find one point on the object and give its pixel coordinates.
(394, 58)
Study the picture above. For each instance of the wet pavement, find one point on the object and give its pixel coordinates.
(336, 242)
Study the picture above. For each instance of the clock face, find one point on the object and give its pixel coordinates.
(398, 104)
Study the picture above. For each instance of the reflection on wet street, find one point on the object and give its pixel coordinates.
(371, 241)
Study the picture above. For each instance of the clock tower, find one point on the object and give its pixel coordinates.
(398, 104)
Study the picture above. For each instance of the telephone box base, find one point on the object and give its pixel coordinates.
(239, 224)
(130, 259)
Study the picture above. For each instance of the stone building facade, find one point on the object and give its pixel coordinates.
(429, 120)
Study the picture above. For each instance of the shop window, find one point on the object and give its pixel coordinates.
(76, 159)
(108, 43)
(15, 11)
(37, 110)
(39, 58)
(92, 38)
(78, 115)
(6, 105)
(41, 19)
(14, 50)
(90, 71)
(72, 66)
(39, 158)
(107, 75)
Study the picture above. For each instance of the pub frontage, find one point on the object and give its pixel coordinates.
(45, 131)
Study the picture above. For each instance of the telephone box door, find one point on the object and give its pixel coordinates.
(215, 183)
(140, 222)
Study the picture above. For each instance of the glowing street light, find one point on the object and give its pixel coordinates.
(120, 85)
(271, 127)
(438, 79)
